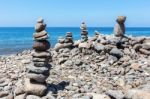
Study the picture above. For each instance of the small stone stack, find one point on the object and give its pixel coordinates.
(84, 32)
(37, 74)
(119, 29)
(69, 38)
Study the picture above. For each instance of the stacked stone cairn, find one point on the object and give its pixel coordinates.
(84, 32)
(37, 74)
(66, 42)
(97, 34)
(84, 43)
(69, 38)
(119, 29)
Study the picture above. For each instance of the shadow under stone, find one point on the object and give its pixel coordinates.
(54, 88)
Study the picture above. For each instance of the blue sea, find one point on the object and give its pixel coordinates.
(16, 39)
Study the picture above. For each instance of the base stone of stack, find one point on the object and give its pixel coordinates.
(84, 45)
(59, 46)
(34, 88)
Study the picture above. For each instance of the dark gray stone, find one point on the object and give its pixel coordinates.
(38, 70)
(116, 52)
(37, 77)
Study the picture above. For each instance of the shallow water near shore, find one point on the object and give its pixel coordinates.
(16, 39)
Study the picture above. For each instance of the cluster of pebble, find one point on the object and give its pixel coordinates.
(37, 74)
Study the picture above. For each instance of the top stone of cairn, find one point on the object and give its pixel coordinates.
(83, 26)
(121, 19)
(40, 25)
(40, 20)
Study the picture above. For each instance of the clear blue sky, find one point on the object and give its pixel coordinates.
(99, 13)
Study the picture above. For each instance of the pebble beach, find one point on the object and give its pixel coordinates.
(101, 67)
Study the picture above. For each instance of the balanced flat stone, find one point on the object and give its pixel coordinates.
(40, 64)
(41, 54)
(37, 70)
(41, 38)
(40, 34)
(37, 77)
(40, 59)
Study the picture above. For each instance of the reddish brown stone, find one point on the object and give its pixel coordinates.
(41, 45)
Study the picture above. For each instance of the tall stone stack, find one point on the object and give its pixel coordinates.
(84, 32)
(37, 73)
(119, 29)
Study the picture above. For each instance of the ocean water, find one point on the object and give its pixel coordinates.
(17, 39)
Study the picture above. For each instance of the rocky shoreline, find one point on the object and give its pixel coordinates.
(103, 67)
(82, 74)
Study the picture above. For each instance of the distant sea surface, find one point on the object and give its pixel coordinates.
(16, 39)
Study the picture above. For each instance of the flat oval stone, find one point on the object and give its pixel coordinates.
(37, 77)
(41, 54)
(39, 34)
(40, 64)
(41, 45)
(38, 70)
(40, 59)
(41, 38)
